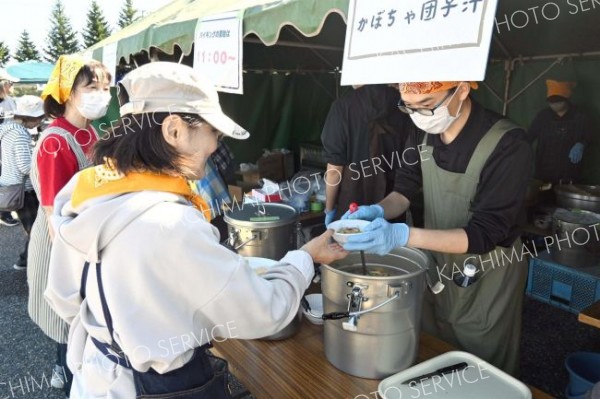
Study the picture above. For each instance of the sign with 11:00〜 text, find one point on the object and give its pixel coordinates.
(218, 51)
(388, 41)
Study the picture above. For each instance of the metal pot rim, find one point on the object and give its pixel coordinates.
(561, 190)
(416, 273)
(227, 217)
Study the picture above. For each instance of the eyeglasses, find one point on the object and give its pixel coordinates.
(196, 121)
(424, 111)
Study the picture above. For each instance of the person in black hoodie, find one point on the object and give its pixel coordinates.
(363, 138)
(562, 132)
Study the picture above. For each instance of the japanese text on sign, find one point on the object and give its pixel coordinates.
(416, 40)
(428, 12)
(218, 51)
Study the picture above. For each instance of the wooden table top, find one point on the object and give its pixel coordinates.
(297, 367)
(591, 315)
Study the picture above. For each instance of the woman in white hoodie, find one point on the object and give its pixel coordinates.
(136, 243)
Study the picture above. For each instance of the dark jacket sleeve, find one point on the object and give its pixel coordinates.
(536, 128)
(501, 192)
(409, 178)
(334, 136)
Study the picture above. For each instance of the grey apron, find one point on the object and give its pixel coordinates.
(484, 318)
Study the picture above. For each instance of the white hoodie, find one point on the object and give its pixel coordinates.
(170, 286)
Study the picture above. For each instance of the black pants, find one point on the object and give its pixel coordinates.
(61, 360)
(27, 215)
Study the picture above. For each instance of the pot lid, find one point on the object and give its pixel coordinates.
(577, 216)
(261, 215)
(579, 191)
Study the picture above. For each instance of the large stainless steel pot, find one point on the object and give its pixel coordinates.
(265, 231)
(575, 242)
(578, 196)
(380, 335)
(262, 230)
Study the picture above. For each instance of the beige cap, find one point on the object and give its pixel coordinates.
(29, 106)
(176, 88)
(4, 75)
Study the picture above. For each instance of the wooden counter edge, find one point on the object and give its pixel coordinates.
(591, 315)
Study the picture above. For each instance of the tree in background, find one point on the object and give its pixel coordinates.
(4, 54)
(127, 15)
(61, 39)
(96, 26)
(26, 49)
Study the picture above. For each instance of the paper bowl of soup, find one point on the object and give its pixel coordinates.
(343, 229)
(260, 265)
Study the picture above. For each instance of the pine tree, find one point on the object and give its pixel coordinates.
(4, 54)
(26, 49)
(61, 39)
(127, 15)
(96, 27)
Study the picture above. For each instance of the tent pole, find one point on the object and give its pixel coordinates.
(508, 68)
(287, 43)
(491, 90)
(541, 75)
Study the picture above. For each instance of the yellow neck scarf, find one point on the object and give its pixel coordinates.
(103, 180)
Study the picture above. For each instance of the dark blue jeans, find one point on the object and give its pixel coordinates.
(203, 377)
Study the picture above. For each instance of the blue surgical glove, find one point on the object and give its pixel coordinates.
(365, 212)
(379, 237)
(576, 153)
(329, 216)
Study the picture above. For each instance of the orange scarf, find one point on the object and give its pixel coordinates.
(102, 180)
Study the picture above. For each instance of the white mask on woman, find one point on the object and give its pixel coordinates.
(439, 122)
(94, 104)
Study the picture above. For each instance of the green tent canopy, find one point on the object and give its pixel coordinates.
(293, 52)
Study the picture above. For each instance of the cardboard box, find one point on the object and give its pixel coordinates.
(277, 166)
(251, 177)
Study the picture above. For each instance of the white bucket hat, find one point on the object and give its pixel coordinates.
(4, 75)
(31, 106)
(175, 88)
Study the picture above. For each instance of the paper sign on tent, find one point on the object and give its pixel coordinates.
(388, 41)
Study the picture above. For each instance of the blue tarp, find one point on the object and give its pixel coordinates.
(31, 71)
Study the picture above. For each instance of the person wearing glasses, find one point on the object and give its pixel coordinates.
(474, 167)
(7, 109)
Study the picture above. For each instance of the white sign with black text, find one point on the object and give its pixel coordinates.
(388, 41)
(218, 50)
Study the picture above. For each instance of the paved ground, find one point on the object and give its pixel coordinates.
(27, 356)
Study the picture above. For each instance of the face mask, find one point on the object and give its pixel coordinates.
(94, 104)
(437, 123)
(558, 107)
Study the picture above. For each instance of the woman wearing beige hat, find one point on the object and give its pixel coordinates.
(135, 242)
(76, 94)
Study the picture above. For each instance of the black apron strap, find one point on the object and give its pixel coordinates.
(84, 274)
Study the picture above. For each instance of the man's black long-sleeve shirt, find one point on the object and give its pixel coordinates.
(497, 207)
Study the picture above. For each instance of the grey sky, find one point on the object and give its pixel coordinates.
(34, 15)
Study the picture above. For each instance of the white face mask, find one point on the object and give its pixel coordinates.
(94, 104)
(560, 106)
(439, 122)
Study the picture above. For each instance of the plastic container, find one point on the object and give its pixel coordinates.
(562, 286)
(479, 380)
(584, 372)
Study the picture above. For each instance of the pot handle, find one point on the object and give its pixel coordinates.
(342, 315)
(234, 236)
